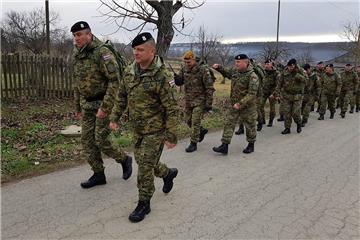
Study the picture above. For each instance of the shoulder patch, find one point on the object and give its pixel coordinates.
(106, 57)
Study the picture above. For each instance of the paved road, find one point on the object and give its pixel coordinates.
(300, 186)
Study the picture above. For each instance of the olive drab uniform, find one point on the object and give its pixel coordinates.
(269, 84)
(153, 114)
(311, 92)
(331, 88)
(350, 83)
(96, 74)
(290, 88)
(199, 89)
(244, 90)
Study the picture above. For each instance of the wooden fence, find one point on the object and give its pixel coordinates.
(35, 76)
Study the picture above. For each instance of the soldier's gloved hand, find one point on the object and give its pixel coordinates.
(207, 108)
(178, 80)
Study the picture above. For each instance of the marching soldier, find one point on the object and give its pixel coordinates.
(147, 93)
(199, 89)
(350, 84)
(243, 97)
(291, 89)
(331, 88)
(96, 72)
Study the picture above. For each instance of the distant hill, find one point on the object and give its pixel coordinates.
(318, 51)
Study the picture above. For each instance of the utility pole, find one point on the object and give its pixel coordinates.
(47, 27)
(277, 31)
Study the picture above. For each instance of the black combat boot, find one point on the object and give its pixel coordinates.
(263, 121)
(281, 118)
(203, 132)
(259, 126)
(96, 179)
(298, 128)
(223, 148)
(321, 117)
(332, 115)
(351, 110)
(304, 122)
(241, 130)
(168, 180)
(270, 124)
(342, 114)
(286, 131)
(127, 167)
(141, 210)
(249, 148)
(312, 108)
(357, 109)
(192, 147)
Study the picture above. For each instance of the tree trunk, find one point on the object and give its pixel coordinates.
(165, 34)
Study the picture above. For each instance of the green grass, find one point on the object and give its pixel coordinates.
(30, 135)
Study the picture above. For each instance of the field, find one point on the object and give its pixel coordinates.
(31, 143)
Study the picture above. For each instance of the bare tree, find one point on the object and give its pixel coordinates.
(207, 44)
(352, 34)
(223, 53)
(305, 57)
(27, 30)
(269, 52)
(157, 12)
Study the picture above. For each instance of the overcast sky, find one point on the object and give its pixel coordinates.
(309, 21)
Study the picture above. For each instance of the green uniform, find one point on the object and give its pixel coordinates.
(97, 76)
(269, 85)
(290, 88)
(311, 92)
(320, 75)
(331, 88)
(357, 94)
(244, 90)
(199, 89)
(153, 114)
(350, 84)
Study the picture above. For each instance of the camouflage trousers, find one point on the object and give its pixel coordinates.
(281, 108)
(349, 98)
(193, 117)
(340, 100)
(95, 139)
(327, 101)
(247, 117)
(291, 109)
(307, 103)
(272, 103)
(148, 149)
(260, 115)
(357, 100)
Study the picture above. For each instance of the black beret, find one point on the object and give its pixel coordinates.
(321, 62)
(306, 66)
(330, 65)
(79, 26)
(241, 56)
(348, 65)
(291, 62)
(141, 38)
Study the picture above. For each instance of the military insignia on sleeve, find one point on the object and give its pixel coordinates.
(172, 83)
(106, 57)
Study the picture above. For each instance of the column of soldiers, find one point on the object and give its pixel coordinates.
(144, 90)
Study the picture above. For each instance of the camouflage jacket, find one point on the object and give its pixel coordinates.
(259, 71)
(270, 81)
(350, 81)
(150, 100)
(331, 84)
(198, 84)
(291, 83)
(313, 85)
(244, 86)
(96, 76)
